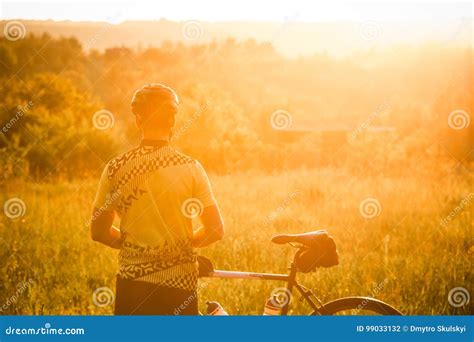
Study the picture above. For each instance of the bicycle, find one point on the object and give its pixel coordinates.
(303, 242)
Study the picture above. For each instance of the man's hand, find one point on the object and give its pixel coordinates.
(212, 228)
(102, 230)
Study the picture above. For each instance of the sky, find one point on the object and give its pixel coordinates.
(233, 10)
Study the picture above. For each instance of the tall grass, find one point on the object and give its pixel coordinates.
(405, 255)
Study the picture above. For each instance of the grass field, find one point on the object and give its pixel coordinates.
(407, 255)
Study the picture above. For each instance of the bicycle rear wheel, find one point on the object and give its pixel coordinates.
(356, 306)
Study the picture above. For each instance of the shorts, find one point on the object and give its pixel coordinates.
(142, 298)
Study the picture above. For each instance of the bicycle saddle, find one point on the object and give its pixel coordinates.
(307, 239)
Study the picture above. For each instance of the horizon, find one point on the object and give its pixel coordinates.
(339, 39)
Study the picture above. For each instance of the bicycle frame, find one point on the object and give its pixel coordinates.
(290, 279)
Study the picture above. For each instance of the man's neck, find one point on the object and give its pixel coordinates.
(155, 136)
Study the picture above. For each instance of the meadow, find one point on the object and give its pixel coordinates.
(375, 146)
(404, 252)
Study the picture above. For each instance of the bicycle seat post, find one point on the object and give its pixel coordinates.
(291, 280)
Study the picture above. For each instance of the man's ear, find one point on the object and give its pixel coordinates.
(138, 121)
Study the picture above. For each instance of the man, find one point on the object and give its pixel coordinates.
(156, 191)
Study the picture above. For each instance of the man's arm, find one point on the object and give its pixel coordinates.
(102, 230)
(212, 228)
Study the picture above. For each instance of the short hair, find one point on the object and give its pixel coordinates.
(148, 99)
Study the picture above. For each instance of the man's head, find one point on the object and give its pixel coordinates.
(155, 106)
